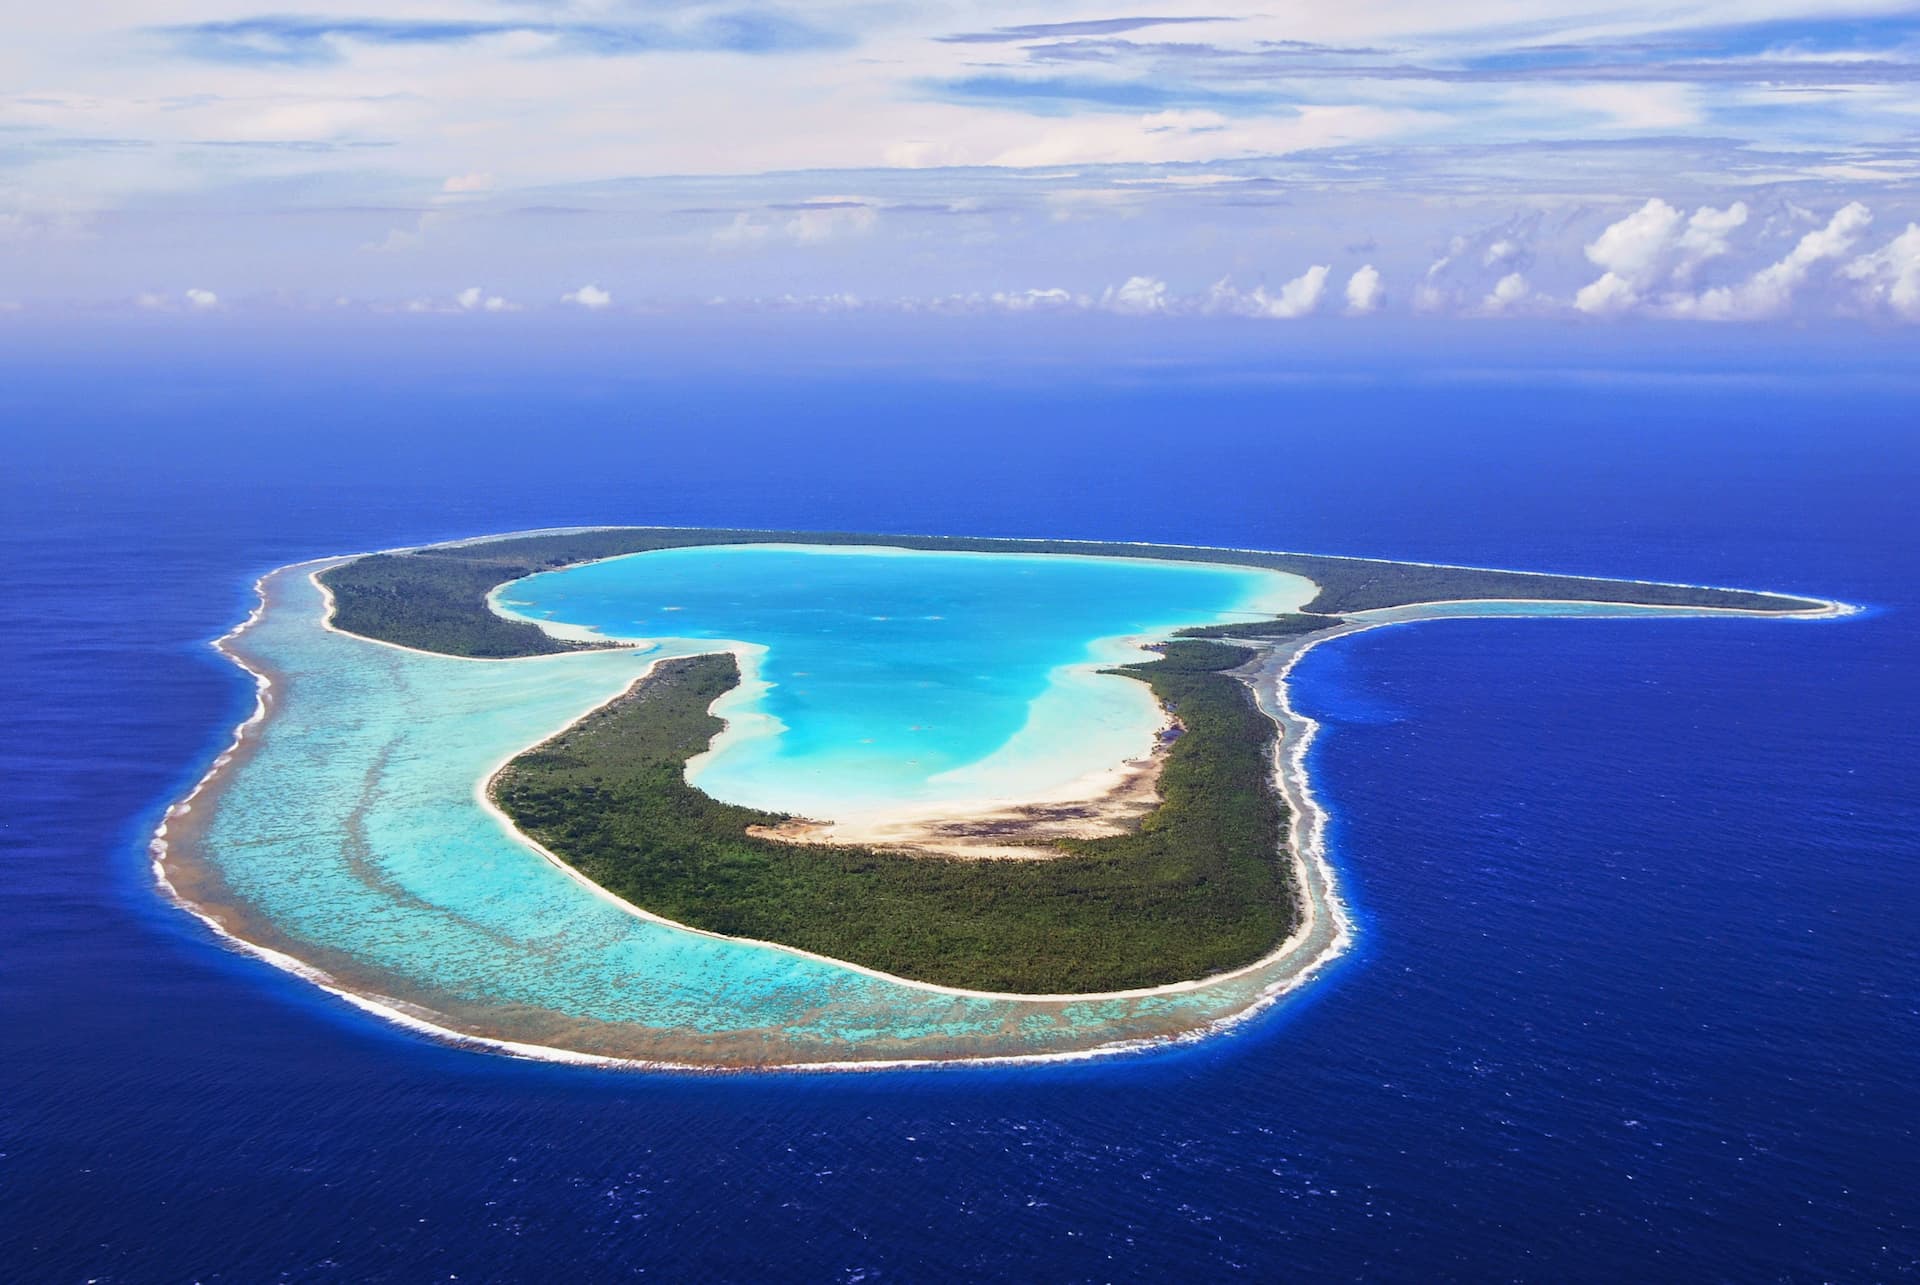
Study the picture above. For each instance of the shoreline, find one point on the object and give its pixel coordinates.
(1312, 873)
(1812, 602)
(1324, 934)
(998, 785)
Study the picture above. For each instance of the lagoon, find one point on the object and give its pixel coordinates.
(347, 837)
(882, 678)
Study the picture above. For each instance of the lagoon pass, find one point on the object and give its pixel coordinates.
(349, 834)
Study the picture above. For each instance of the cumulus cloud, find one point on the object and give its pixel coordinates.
(1136, 297)
(1654, 245)
(810, 222)
(1052, 300)
(1606, 295)
(1429, 297)
(194, 299)
(590, 297)
(398, 240)
(1768, 292)
(467, 184)
(1364, 291)
(1296, 298)
(830, 218)
(474, 299)
(744, 230)
(1301, 295)
(1461, 278)
(1890, 276)
(1632, 248)
(1507, 291)
(1706, 237)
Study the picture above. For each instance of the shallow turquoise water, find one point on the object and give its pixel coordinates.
(355, 837)
(894, 677)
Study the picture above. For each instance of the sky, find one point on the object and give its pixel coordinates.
(1286, 163)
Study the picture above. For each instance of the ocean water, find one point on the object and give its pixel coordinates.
(889, 678)
(1636, 992)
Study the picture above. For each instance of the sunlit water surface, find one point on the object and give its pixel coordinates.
(885, 677)
(1637, 985)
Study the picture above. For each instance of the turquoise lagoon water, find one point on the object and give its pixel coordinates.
(354, 837)
(890, 678)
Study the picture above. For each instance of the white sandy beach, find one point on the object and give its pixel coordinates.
(1324, 931)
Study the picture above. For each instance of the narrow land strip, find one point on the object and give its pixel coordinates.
(1195, 885)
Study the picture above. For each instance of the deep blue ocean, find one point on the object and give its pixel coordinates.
(1637, 989)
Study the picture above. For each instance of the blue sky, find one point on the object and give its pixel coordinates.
(1315, 164)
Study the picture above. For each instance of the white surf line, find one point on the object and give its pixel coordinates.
(1295, 789)
(1141, 544)
(487, 804)
(521, 837)
(1308, 826)
(1313, 872)
(418, 1019)
(394, 1010)
(1816, 608)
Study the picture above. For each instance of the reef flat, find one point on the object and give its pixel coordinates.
(348, 836)
(436, 598)
(1196, 885)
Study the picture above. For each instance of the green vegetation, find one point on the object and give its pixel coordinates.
(1201, 886)
(1288, 626)
(436, 598)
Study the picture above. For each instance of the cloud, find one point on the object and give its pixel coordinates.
(590, 297)
(1508, 291)
(1296, 298)
(269, 40)
(1364, 291)
(194, 300)
(1890, 276)
(1768, 292)
(1053, 300)
(1637, 80)
(474, 299)
(466, 184)
(1705, 237)
(1460, 280)
(810, 222)
(1136, 297)
(829, 218)
(1052, 30)
(1058, 95)
(1632, 250)
(400, 240)
(742, 231)
(1653, 245)
(1606, 295)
